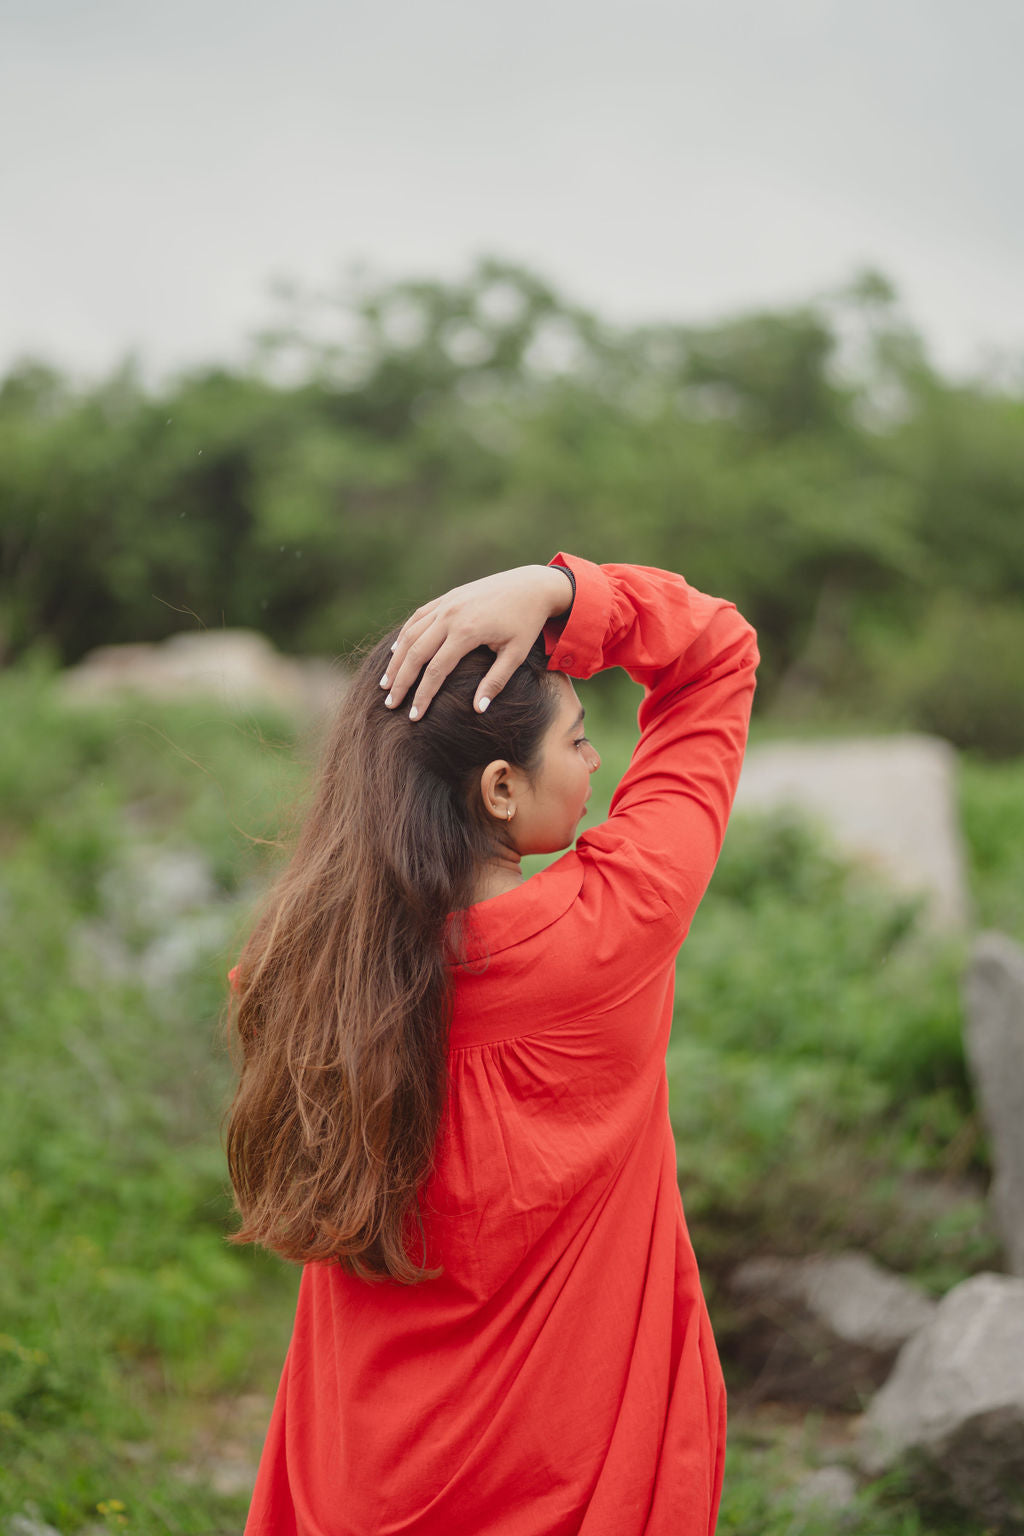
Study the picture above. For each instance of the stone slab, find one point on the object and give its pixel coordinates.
(888, 801)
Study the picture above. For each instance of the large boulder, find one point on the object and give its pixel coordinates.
(238, 667)
(953, 1409)
(994, 1041)
(887, 801)
(823, 1330)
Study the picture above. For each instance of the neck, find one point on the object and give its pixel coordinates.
(503, 872)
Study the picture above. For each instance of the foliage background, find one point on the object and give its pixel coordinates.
(392, 441)
(866, 513)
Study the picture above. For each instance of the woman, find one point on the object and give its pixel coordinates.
(453, 1105)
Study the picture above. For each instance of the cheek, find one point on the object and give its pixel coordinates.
(577, 780)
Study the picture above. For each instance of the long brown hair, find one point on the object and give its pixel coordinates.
(344, 989)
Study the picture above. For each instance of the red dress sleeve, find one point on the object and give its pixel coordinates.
(695, 657)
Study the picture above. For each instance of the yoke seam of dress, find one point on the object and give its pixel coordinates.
(477, 1045)
(547, 1029)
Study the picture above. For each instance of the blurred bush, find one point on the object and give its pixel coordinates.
(961, 674)
(817, 1067)
(118, 1294)
(395, 439)
(818, 1091)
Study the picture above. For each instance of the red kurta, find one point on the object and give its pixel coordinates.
(561, 1375)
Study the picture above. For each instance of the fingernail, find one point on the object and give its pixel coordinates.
(483, 705)
(394, 645)
(384, 681)
(414, 713)
(389, 701)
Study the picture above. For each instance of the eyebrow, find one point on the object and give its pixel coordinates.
(576, 723)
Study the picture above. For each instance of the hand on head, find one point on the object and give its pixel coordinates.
(506, 612)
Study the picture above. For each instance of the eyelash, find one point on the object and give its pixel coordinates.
(582, 741)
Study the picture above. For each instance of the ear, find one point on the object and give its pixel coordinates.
(498, 783)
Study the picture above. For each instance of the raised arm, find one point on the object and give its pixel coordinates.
(695, 657)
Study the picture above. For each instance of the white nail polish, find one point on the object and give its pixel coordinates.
(389, 701)
(394, 645)
(483, 705)
(414, 713)
(384, 681)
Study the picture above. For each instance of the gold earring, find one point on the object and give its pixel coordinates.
(510, 813)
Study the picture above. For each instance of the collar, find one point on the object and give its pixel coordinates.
(503, 921)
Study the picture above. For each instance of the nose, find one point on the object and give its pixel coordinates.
(593, 759)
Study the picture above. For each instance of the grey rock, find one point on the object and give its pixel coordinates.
(164, 916)
(238, 667)
(888, 801)
(953, 1409)
(829, 1490)
(152, 883)
(231, 1475)
(177, 880)
(186, 943)
(29, 1525)
(994, 1042)
(824, 1330)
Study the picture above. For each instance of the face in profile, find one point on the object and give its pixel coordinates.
(549, 811)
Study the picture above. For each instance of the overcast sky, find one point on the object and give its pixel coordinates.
(160, 164)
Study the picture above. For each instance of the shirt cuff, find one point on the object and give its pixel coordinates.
(575, 644)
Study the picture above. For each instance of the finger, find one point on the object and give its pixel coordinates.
(506, 662)
(408, 661)
(414, 624)
(437, 607)
(436, 670)
(408, 637)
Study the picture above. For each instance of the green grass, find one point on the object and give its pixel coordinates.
(768, 1456)
(992, 806)
(818, 1094)
(119, 1298)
